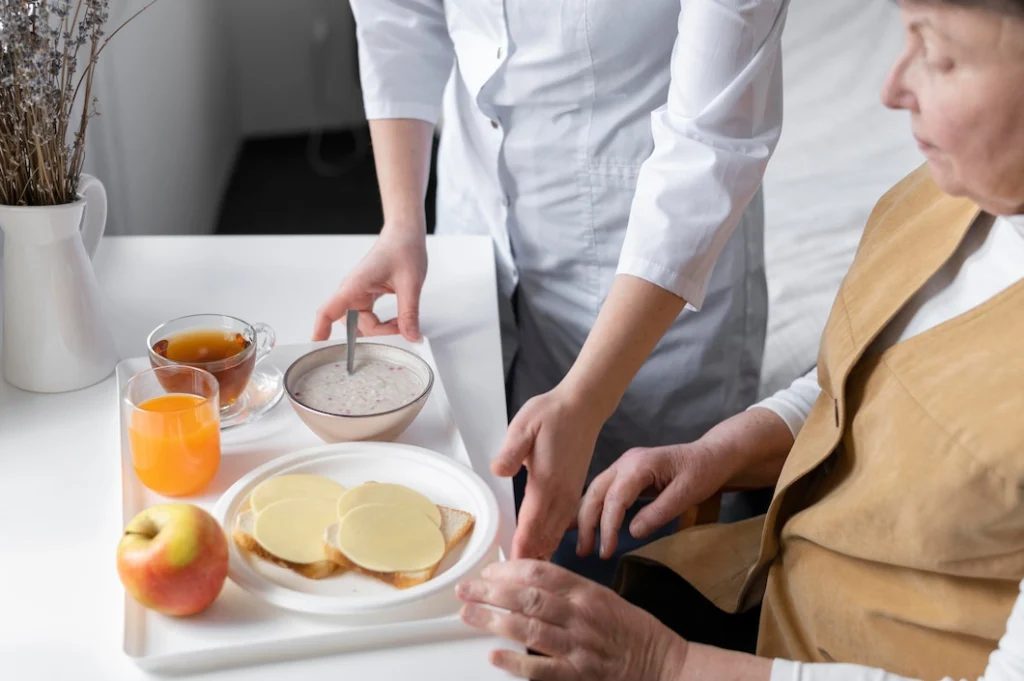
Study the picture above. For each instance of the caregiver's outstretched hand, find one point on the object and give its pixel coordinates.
(554, 433)
(396, 264)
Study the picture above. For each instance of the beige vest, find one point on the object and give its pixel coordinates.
(895, 537)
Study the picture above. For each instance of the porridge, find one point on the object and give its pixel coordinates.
(376, 386)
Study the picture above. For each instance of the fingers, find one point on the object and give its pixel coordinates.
(532, 667)
(517, 446)
(538, 573)
(363, 301)
(531, 601)
(622, 493)
(540, 525)
(336, 307)
(590, 511)
(409, 309)
(324, 321)
(538, 614)
(535, 634)
(670, 504)
(612, 493)
(371, 325)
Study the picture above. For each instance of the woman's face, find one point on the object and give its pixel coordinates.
(961, 77)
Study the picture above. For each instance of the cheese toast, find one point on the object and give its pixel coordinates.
(455, 526)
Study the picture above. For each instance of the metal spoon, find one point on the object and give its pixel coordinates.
(352, 320)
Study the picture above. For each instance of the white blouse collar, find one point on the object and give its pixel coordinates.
(1016, 220)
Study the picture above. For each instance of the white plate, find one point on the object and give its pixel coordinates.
(444, 481)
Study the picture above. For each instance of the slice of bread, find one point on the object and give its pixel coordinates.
(455, 526)
(243, 534)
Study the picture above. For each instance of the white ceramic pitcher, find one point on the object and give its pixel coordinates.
(55, 337)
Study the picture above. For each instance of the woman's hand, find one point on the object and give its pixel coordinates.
(396, 264)
(746, 451)
(587, 632)
(553, 435)
(681, 476)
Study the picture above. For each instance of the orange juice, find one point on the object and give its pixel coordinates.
(175, 443)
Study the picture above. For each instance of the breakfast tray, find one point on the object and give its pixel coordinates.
(240, 629)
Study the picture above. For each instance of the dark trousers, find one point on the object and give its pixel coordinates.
(685, 611)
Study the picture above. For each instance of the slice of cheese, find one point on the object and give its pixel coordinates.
(388, 493)
(298, 486)
(389, 538)
(293, 529)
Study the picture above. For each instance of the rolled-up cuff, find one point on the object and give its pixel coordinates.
(387, 109)
(792, 416)
(666, 277)
(784, 670)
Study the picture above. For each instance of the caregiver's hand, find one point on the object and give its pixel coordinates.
(553, 435)
(681, 476)
(396, 264)
(586, 630)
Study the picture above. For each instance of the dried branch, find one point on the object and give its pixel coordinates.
(42, 141)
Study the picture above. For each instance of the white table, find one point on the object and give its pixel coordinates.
(60, 598)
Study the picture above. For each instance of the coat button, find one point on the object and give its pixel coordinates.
(494, 124)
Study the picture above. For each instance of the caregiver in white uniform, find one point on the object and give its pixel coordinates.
(613, 150)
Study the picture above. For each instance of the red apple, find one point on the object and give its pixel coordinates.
(173, 558)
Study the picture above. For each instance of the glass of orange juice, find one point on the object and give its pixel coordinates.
(173, 418)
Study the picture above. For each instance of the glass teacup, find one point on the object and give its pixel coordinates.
(227, 347)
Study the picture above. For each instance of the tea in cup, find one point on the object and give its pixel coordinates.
(227, 347)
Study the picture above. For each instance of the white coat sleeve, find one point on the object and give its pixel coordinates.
(712, 142)
(405, 57)
(794, 404)
(1006, 663)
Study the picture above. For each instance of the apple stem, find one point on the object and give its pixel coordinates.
(142, 527)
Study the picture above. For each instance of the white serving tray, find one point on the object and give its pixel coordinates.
(240, 629)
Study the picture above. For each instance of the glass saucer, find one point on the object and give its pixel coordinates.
(264, 391)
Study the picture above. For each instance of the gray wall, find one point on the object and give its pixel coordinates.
(168, 131)
(181, 85)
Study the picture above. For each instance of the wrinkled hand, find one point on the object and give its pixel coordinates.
(553, 435)
(396, 264)
(682, 476)
(587, 631)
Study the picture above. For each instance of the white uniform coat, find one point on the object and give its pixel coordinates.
(596, 137)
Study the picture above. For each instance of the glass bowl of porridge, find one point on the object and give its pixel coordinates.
(378, 401)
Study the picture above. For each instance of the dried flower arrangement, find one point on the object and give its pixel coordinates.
(42, 131)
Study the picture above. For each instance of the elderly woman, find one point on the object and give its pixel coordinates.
(895, 539)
